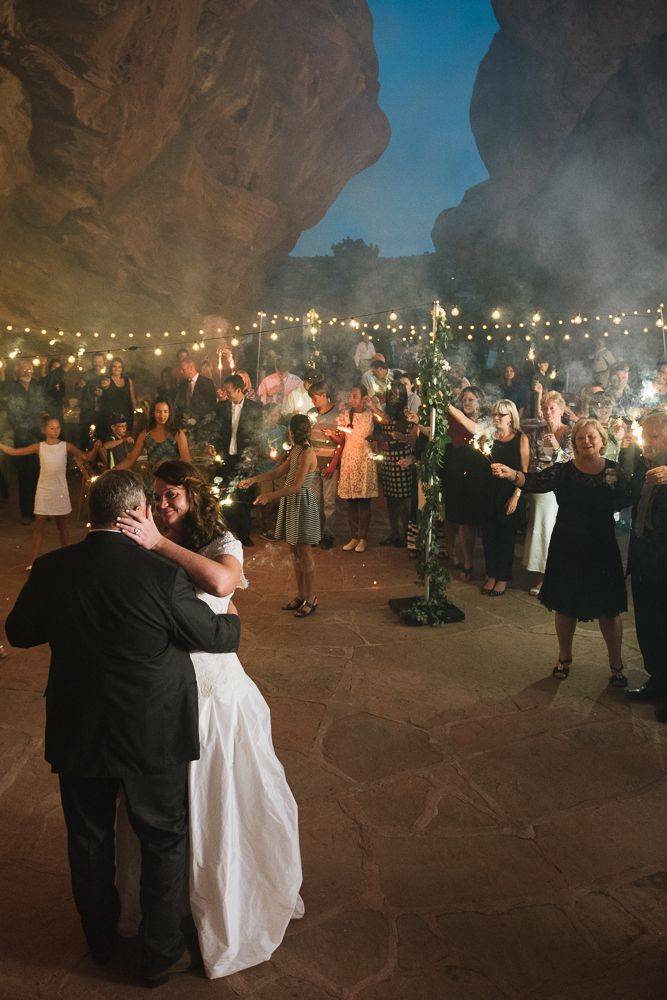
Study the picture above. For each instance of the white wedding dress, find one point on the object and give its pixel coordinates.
(245, 863)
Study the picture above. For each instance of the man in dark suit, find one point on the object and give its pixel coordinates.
(195, 402)
(647, 561)
(238, 440)
(121, 713)
(25, 404)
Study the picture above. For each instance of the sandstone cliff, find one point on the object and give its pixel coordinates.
(570, 116)
(156, 156)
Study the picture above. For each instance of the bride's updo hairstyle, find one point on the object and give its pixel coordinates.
(204, 520)
(299, 428)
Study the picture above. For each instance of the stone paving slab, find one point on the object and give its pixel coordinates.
(470, 829)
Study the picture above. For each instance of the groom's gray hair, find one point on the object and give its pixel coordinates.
(115, 491)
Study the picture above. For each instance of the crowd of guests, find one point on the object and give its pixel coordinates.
(301, 449)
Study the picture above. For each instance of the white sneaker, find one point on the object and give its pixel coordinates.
(352, 544)
(361, 547)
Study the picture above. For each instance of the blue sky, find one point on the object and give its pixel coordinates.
(429, 52)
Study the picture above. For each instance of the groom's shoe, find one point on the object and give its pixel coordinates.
(651, 690)
(182, 964)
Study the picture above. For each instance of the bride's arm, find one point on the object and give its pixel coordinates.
(218, 576)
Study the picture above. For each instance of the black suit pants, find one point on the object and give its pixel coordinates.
(157, 810)
(649, 595)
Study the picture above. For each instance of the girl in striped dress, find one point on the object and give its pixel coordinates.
(298, 514)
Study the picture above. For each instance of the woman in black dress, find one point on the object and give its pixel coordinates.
(397, 476)
(117, 397)
(510, 448)
(583, 579)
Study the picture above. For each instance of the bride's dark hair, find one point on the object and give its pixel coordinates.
(204, 520)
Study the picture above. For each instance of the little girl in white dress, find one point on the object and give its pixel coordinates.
(52, 494)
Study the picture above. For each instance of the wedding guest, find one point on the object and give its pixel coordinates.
(299, 400)
(54, 389)
(397, 477)
(376, 379)
(168, 385)
(552, 444)
(25, 406)
(248, 390)
(647, 561)
(276, 388)
(238, 439)
(298, 521)
(357, 480)
(117, 448)
(602, 360)
(89, 401)
(464, 476)
(624, 400)
(161, 441)
(240, 805)
(409, 380)
(364, 353)
(602, 407)
(510, 388)
(122, 716)
(195, 402)
(52, 494)
(510, 448)
(324, 417)
(117, 397)
(583, 579)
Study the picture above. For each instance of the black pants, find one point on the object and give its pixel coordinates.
(239, 515)
(27, 469)
(157, 809)
(649, 595)
(498, 535)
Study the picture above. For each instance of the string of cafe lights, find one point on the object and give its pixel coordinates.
(494, 327)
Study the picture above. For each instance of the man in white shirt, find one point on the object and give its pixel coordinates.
(277, 387)
(364, 354)
(299, 400)
(376, 380)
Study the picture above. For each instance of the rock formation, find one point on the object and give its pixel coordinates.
(570, 116)
(156, 157)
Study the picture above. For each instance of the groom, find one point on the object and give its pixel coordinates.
(121, 713)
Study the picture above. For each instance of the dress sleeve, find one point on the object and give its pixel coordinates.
(227, 545)
(545, 481)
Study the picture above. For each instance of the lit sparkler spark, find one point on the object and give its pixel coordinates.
(273, 453)
(218, 458)
(226, 502)
(286, 446)
(482, 446)
(375, 456)
(553, 373)
(313, 417)
(647, 391)
(637, 432)
(344, 430)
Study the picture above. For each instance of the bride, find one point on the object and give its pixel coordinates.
(245, 865)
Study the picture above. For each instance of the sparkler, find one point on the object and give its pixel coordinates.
(273, 453)
(344, 430)
(313, 417)
(484, 448)
(637, 432)
(375, 456)
(287, 446)
(553, 373)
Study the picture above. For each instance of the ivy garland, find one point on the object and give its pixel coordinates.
(435, 395)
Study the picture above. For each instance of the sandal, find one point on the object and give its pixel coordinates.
(618, 678)
(294, 604)
(307, 608)
(561, 670)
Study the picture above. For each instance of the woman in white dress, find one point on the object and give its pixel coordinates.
(552, 445)
(245, 863)
(358, 479)
(52, 495)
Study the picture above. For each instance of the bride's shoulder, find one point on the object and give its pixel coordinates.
(225, 544)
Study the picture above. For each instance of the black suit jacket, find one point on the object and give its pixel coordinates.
(121, 696)
(203, 401)
(248, 430)
(647, 556)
